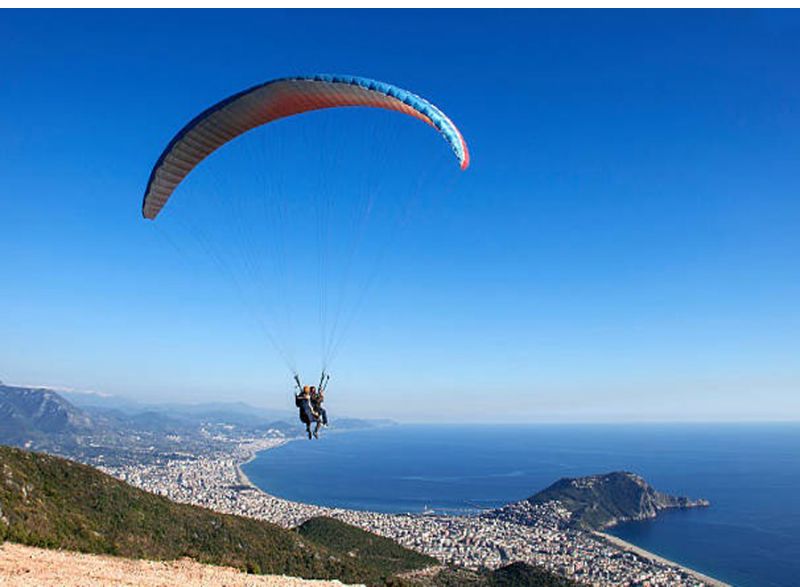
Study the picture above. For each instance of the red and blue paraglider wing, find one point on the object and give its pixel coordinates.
(272, 101)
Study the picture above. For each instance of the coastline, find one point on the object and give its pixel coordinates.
(615, 541)
(218, 482)
(639, 551)
(242, 477)
(248, 452)
(248, 457)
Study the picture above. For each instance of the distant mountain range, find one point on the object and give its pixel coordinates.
(105, 430)
(238, 411)
(28, 414)
(600, 501)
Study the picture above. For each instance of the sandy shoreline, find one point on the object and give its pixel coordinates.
(625, 545)
(250, 455)
(241, 476)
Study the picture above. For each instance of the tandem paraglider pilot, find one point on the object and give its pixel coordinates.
(309, 401)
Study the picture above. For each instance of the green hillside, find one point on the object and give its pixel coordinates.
(524, 575)
(516, 574)
(50, 502)
(383, 555)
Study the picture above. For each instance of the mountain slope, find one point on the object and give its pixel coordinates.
(29, 413)
(50, 502)
(42, 420)
(383, 555)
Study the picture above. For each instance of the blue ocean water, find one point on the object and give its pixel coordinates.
(749, 536)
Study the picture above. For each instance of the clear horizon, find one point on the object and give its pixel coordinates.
(623, 248)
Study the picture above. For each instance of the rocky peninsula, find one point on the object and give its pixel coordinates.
(599, 502)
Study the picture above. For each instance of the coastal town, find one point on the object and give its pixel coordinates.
(487, 540)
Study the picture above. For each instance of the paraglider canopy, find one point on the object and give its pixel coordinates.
(272, 101)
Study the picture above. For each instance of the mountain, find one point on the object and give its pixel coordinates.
(51, 502)
(89, 400)
(601, 501)
(28, 413)
(175, 414)
(237, 413)
(99, 434)
(101, 430)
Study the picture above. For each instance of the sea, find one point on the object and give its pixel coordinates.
(750, 536)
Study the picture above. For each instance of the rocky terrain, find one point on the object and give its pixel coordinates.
(23, 566)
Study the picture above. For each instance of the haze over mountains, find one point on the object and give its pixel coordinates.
(28, 414)
(108, 430)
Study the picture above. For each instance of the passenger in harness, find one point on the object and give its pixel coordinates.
(317, 396)
(303, 401)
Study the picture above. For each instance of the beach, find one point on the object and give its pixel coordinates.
(659, 559)
(619, 542)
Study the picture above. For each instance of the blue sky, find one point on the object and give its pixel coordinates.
(624, 246)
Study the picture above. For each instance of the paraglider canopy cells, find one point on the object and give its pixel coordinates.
(272, 101)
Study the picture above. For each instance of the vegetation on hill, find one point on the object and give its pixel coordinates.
(600, 501)
(31, 414)
(54, 503)
(384, 556)
(521, 574)
(518, 574)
